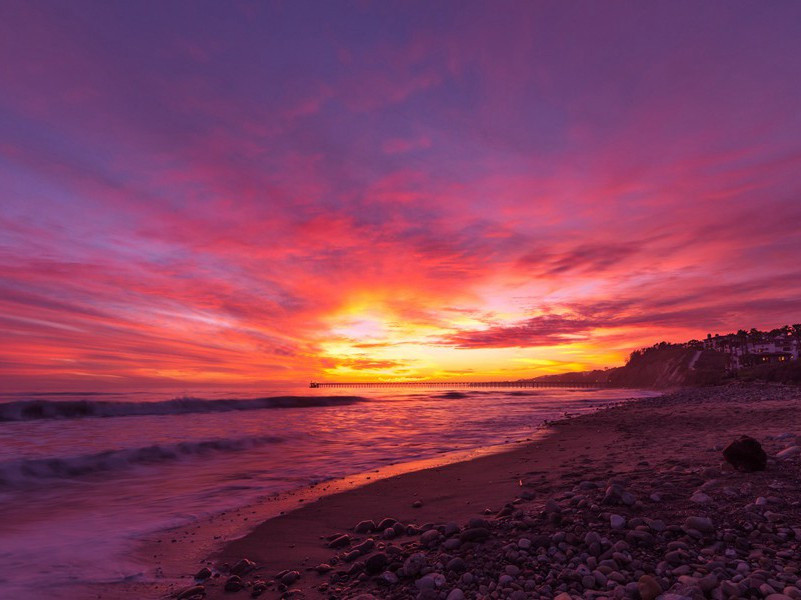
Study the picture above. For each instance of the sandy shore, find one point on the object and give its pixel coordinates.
(593, 510)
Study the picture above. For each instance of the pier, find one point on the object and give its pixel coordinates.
(461, 384)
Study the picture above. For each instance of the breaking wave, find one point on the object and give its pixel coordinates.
(33, 470)
(30, 410)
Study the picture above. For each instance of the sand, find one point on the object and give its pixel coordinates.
(669, 446)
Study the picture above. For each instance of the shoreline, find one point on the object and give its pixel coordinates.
(612, 443)
(173, 555)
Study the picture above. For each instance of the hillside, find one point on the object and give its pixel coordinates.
(671, 366)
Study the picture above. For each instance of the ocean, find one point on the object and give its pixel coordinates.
(85, 478)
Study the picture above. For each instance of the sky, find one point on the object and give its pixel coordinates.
(230, 193)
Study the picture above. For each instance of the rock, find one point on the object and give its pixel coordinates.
(788, 452)
(778, 597)
(243, 566)
(430, 581)
(524, 543)
(387, 522)
(234, 584)
(191, 592)
(389, 578)
(702, 524)
(289, 578)
(700, 498)
(648, 587)
(417, 504)
(746, 454)
(340, 541)
(414, 564)
(475, 534)
(563, 596)
(456, 564)
(455, 594)
(364, 526)
(323, 568)
(617, 522)
(203, 574)
(365, 546)
(430, 538)
(376, 563)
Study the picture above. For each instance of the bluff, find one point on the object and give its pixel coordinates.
(671, 365)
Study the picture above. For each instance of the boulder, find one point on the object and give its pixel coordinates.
(746, 454)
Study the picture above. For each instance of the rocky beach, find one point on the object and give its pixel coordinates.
(635, 501)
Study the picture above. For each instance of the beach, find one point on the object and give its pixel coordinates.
(632, 501)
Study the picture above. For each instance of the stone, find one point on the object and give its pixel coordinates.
(700, 498)
(474, 534)
(190, 592)
(387, 522)
(376, 563)
(414, 564)
(430, 537)
(617, 522)
(234, 584)
(788, 452)
(289, 578)
(203, 574)
(340, 541)
(702, 524)
(389, 578)
(456, 564)
(648, 587)
(746, 454)
(455, 594)
(430, 581)
(417, 504)
(365, 546)
(243, 566)
(364, 526)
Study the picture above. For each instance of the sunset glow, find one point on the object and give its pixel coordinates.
(237, 193)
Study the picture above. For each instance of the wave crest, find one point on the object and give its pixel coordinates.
(31, 410)
(33, 470)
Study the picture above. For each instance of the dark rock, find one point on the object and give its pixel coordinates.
(746, 454)
(234, 584)
(191, 592)
(339, 541)
(243, 566)
(289, 578)
(386, 523)
(376, 563)
(203, 574)
(417, 504)
(364, 526)
(648, 587)
(474, 534)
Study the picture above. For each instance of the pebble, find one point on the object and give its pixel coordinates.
(617, 522)
(455, 594)
(700, 498)
(365, 526)
(788, 453)
(376, 563)
(195, 590)
(648, 588)
(233, 583)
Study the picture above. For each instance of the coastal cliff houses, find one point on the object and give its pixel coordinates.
(751, 348)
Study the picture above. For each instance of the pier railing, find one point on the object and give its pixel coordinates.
(462, 384)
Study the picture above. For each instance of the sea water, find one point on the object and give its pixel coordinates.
(84, 477)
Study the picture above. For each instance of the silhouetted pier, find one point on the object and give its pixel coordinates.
(461, 384)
